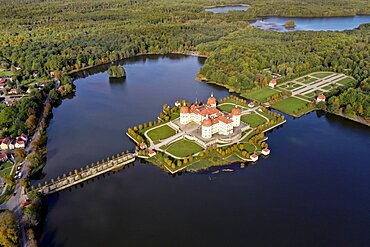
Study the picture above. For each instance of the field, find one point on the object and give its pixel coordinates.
(253, 119)
(306, 81)
(6, 73)
(291, 105)
(6, 168)
(346, 81)
(161, 133)
(226, 107)
(260, 94)
(184, 148)
(322, 74)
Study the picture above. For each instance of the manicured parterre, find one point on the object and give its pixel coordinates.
(161, 133)
(184, 148)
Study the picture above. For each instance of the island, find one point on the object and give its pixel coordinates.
(289, 24)
(116, 71)
(196, 136)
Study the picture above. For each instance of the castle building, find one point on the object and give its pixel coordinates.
(211, 119)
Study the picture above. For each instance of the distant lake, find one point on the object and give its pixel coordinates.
(312, 24)
(225, 9)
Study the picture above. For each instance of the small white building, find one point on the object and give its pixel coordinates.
(254, 157)
(272, 83)
(177, 103)
(320, 98)
(265, 151)
(19, 144)
(142, 146)
(151, 153)
(24, 137)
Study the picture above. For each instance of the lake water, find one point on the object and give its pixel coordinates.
(225, 9)
(312, 24)
(312, 191)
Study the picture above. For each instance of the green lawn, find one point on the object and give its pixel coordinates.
(6, 73)
(6, 168)
(303, 97)
(161, 133)
(184, 148)
(253, 119)
(308, 81)
(291, 106)
(322, 74)
(226, 108)
(328, 87)
(346, 81)
(260, 94)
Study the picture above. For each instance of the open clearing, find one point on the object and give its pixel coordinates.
(260, 94)
(253, 119)
(291, 105)
(161, 133)
(184, 148)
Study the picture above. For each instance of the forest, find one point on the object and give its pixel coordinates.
(68, 35)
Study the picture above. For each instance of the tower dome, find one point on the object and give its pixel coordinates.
(207, 122)
(184, 109)
(212, 101)
(235, 112)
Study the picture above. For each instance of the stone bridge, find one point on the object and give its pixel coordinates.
(79, 176)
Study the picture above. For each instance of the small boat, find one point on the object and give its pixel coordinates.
(215, 172)
(242, 165)
(227, 170)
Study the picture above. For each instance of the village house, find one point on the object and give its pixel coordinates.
(24, 137)
(151, 153)
(211, 119)
(13, 91)
(9, 102)
(320, 98)
(61, 89)
(12, 144)
(272, 83)
(177, 103)
(2, 80)
(265, 151)
(19, 143)
(250, 104)
(254, 157)
(5, 144)
(3, 157)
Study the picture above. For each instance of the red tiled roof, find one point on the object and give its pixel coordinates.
(321, 96)
(184, 109)
(207, 122)
(151, 152)
(254, 156)
(211, 101)
(2, 80)
(273, 81)
(6, 140)
(236, 111)
(2, 156)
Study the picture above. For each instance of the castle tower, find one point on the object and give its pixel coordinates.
(235, 116)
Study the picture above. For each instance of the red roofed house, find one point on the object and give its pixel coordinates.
(151, 153)
(177, 103)
(13, 91)
(61, 89)
(24, 137)
(254, 157)
(2, 80)
(19, 143)
(265, 151)
(142, 145)
(10, 102)
(251, 104)
(273, 83)
(5, 144)
(320, 98)
(3, 157)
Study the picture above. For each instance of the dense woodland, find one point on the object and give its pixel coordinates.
(69, 35)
